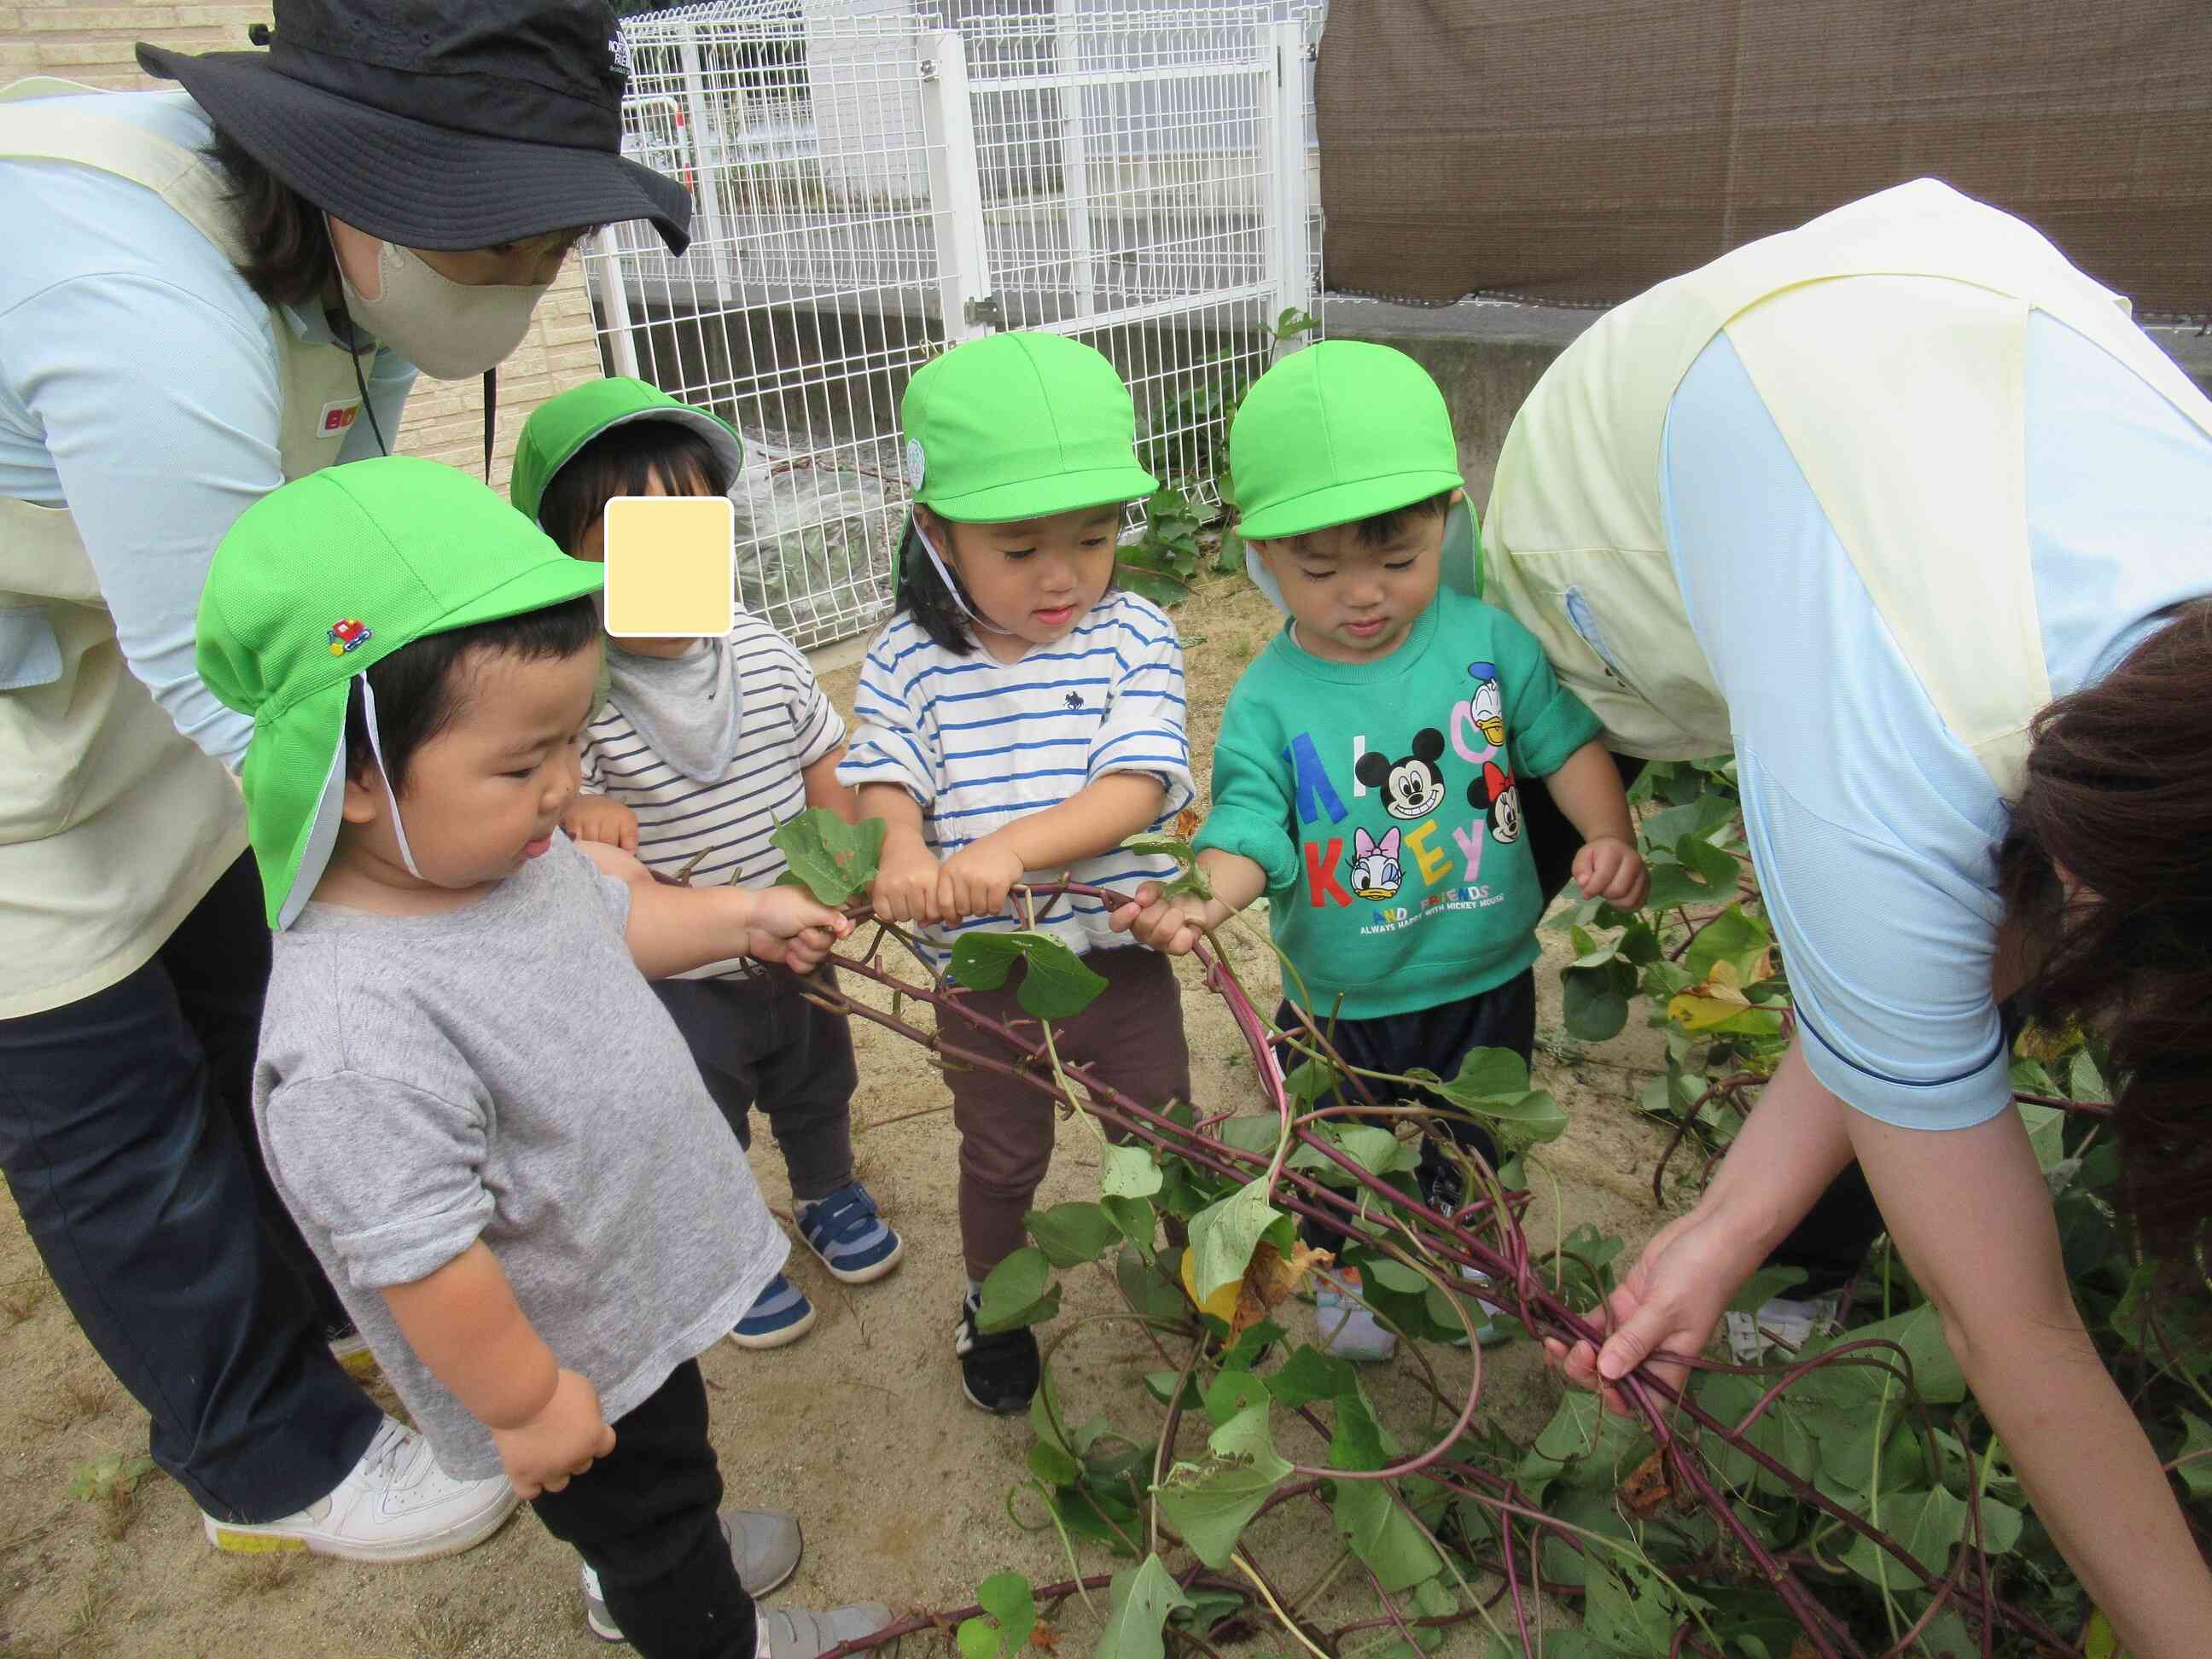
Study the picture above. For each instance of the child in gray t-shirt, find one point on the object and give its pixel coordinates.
(485, 1123)
(703, 749)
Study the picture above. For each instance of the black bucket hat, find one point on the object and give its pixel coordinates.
(439, 124)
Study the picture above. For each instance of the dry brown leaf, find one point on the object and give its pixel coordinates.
(1044, 1637)
(1269, 1278)
(1648, 1487)
(1187, 823)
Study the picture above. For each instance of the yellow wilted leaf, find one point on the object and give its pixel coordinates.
(1718, 1000)
(1222, 1304)
(1269, 1278)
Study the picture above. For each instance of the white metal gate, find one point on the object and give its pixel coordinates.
(874, 181)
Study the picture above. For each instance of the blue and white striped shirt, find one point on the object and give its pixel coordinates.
(980, 743)
(787, 725)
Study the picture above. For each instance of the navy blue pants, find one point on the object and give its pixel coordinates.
(126, 1132)
(1438, 1040)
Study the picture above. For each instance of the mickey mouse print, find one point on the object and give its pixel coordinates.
(1383, 801)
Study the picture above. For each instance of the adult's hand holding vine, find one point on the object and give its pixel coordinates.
(1796, 1141)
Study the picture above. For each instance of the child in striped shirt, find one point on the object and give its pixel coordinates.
(1019, 717)
(702, 748)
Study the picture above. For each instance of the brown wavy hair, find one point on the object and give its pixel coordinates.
(2119, 796)
(288, 258)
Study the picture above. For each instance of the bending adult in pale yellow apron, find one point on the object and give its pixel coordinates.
(1857, 503)
(113, 829)
(147, 396)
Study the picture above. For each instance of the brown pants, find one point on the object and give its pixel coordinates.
(1131, 1034)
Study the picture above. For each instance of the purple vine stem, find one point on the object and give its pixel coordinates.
(987, 1044)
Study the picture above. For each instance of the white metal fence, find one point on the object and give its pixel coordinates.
(874, 181)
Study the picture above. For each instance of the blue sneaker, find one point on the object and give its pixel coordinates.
(848, 1232)
(781, 1314)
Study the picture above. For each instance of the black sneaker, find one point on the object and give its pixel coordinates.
(998, 1372)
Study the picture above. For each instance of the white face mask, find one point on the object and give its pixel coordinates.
(450, 331)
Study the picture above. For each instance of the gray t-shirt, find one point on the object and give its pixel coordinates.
(505, 1073)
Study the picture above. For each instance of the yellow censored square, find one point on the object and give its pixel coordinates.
(671, 566)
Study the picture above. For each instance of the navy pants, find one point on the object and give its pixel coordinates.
(126, 1132)
(758, 1041)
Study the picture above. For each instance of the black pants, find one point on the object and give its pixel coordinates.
(1832, 1241)
(758, 1041)
(1437, 1039)
(126, 1130)
(644, 1517)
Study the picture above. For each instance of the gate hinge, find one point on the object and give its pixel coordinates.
(928, 68)
(987, 310)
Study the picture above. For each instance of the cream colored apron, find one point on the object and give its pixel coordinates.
(113, 826)
(1915, 453)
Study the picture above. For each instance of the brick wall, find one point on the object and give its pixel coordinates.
(445, 418)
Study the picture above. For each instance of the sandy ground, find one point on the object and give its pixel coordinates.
(860, 1428)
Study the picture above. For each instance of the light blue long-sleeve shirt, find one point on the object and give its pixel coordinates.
(140, 388)
(1875, 833)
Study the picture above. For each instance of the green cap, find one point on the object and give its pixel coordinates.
(319, 580)
(1340, 431)
(1017, 425)
(561, 425)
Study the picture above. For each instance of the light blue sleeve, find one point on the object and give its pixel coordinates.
(139, 388)
(159, 413)
(1875, 834)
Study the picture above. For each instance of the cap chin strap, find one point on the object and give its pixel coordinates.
(376, 748)
(951, 586)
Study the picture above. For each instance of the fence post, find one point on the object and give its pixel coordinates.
(1294, 284)
(1074, 160)
(711, 233)
(613, 288)
(955, 188)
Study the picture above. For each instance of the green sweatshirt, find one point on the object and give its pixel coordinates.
(1381, 799)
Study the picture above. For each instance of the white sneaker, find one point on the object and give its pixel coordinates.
(397, 1504)
(1348, 1331)
(1780, 1322)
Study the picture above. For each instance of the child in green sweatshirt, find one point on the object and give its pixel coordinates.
(1368, 773)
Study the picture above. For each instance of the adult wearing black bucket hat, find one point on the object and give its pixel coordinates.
(209, 291)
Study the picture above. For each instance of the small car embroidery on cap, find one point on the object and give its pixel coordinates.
(345, 635)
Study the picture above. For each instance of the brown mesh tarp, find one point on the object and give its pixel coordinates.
(1584, 150)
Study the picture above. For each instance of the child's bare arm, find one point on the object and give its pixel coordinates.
(673, 928)
(1176, 925)
(1095, 819)
(1588, 790)
(464, 1323)
(822, 789)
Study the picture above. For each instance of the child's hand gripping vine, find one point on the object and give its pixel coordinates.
(1174, 924)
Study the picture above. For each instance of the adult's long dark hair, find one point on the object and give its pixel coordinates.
(2120, 794)
(288, 259)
